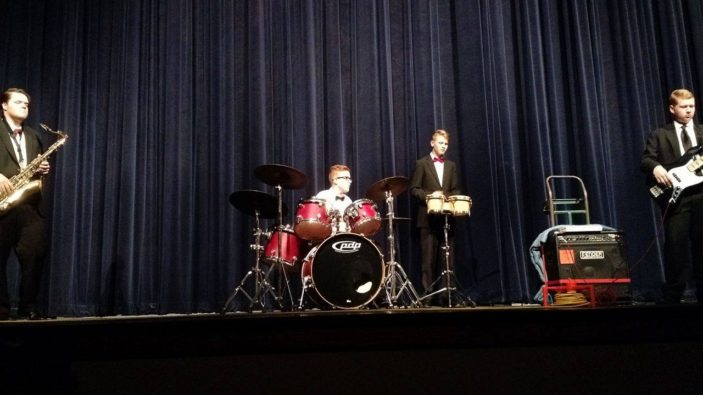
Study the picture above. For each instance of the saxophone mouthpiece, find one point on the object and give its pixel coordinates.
(48, 129)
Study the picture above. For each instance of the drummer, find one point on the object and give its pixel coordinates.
(437, 177)
(336, 199)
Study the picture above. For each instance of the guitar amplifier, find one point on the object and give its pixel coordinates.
(588, 258)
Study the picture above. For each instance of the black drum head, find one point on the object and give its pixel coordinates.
(347, 270)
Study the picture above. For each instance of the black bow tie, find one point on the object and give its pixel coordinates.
(339, 198)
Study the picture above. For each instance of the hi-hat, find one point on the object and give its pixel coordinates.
(396, 185)
(285, 176)
(250, 201)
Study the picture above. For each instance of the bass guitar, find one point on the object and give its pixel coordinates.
(684, 173)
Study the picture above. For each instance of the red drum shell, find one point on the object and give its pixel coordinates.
(363, 218)
(290, 247)
(311, 222)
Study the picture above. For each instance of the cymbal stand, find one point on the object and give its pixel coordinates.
(282, 272)
(396, 282)
(261, 284)
(447, 274)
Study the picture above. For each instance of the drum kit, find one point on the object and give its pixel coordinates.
(451, 206)
(343, 269)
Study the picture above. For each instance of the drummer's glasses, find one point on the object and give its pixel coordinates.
(343, 178)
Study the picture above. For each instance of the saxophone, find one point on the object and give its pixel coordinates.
(22, 183)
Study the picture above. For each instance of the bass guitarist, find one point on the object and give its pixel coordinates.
(683, 220)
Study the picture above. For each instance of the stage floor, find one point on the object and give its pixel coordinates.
(487, 349)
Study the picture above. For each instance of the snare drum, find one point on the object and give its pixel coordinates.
(346, 271)
(290, 247)
(461, 205)
(311, 222)
(362, 217)
(437, 205)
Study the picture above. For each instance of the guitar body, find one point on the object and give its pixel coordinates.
(684, 173)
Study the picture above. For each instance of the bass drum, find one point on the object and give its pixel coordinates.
(345, 271)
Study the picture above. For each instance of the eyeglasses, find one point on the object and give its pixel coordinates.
(343, 178)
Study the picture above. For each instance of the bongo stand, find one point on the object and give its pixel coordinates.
(447, 276)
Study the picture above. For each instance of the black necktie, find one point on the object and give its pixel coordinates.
(15, 137)
(684, 139)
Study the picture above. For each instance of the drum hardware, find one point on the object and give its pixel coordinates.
(448, 275)
(260, 205)
(337, 222)
(396, 284)
(280, 177)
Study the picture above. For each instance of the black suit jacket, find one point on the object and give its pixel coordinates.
(663, 149)
(425, 181)
(9, 164)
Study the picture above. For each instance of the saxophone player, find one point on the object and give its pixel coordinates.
(22, 229)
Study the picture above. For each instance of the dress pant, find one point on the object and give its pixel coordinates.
(683, 247)
(22, 229)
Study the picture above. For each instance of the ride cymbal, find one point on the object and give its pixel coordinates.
(285, 176)
(396, 185)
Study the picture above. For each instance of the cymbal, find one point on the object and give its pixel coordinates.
(251, 201)
(396, 185)
(285, 176)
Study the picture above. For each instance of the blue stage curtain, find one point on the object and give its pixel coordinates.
(170, 106)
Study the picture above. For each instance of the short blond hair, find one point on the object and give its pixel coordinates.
(680, 94)
(440, 132)
(336, 169)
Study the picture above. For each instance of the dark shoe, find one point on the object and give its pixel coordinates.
(31, 315)
(34, 316)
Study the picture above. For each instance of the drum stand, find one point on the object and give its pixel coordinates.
(282, 272)
(448, 274)
(262, 287)
(396, 283)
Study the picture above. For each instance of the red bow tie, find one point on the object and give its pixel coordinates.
(438, 159)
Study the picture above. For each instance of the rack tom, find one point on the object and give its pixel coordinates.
(311, 222)
(362, 217)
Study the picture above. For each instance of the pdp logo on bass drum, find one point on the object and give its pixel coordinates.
(346, 246)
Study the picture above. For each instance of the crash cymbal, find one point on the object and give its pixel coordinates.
(285, 176)
(250, 201)
(396, 185)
